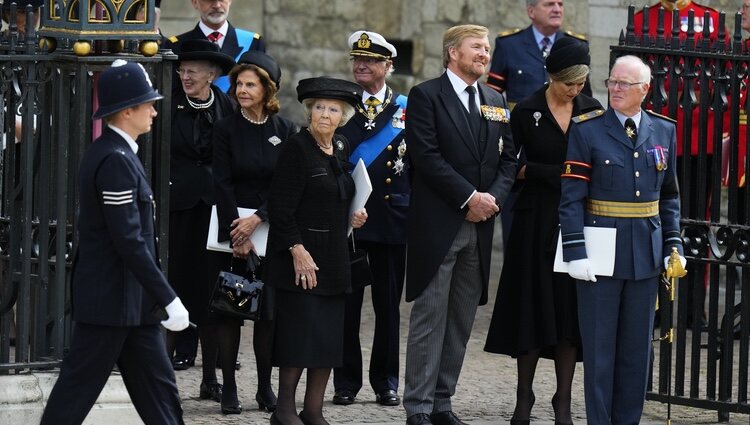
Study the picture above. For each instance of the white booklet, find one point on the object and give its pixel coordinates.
(600, 249)
(364, 189)
(259, 238)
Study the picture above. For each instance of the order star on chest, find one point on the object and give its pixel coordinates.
(630, 132)
(370, 124)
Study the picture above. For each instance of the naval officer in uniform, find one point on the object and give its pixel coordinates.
(376, 134)
(620, 173)
(117, 285)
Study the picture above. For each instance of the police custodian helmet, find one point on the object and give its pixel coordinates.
(122, 86)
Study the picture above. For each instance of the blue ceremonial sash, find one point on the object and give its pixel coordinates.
(245, 40)
(371, 147)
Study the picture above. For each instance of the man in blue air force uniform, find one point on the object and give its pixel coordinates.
(117, 286)
(620, 173)
(376, 135)
(215, 27)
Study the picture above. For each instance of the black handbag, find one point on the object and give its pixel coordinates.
(238, 296)
(360, 267)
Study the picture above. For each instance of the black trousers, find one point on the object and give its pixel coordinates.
(141, 356)
(388, 265)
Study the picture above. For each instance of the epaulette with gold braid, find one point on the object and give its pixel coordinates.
(588, 115)
(256, 36)
(173, 39)
(577, 35)
(506, 33)
(672, 120)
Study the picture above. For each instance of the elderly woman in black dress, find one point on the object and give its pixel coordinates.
(196, 105)
(536, 311)
(308, 260)
(246, 149)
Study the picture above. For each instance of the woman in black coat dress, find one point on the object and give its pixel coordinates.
(196, 105)
(536, 311)
(246, 147)
(308, 256)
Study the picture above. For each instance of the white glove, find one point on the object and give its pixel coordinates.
(178, 316)
(683, 260)
(581, 270)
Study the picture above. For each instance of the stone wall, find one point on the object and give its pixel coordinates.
(308, 37)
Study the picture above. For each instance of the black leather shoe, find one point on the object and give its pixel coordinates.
(211, 390)
(230, 405)
(387, 398)
(343, 397)
(418, 419)
(520, 421)
(267, 402)
(182, 362)
(445, 418)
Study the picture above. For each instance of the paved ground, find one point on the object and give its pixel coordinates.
(485, 394)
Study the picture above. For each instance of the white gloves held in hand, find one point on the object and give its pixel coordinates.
(581, 270)
(178, 316)
(683, 260)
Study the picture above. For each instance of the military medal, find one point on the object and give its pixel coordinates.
(372, 112)
(500, 144)
(370, 124)
(536, 116)
(630, 132)
(660, 158)
(398, 165)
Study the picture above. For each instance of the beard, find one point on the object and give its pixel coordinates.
(216, 18)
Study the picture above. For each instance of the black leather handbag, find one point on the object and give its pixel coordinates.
(360, 267)
(236, 295)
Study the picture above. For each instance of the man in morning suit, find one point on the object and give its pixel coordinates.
(518, 60)
(376, 135)
(117, 286)
(215, 27)
(464, 164)
(620, 173)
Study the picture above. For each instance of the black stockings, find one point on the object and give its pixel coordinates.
(263, 347)
(286, 410)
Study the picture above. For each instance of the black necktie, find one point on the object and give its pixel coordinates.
(474, 119)
(630, 130)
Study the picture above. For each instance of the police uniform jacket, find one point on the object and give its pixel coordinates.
(245, 157)
(391, 189)
(602, 164)
(116, 277)
(191, 156)
(309, 202)
(448, 167)
(518, 67)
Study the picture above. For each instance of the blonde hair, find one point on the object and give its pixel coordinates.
(271, 103)
(571, 74)
(454, 36)
(346, 109)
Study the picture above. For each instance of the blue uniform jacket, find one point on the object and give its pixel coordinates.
(116, 277)
(518, 68)
(605, 166)
(391, 189)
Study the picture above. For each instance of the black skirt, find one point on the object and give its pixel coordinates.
(309, 330)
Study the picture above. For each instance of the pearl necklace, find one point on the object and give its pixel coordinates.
(208, 103)
(261, 122)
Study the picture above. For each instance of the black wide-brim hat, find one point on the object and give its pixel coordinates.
(21, 4)
(329, 88)
(204, 50)
(122, 86)
(263, 61)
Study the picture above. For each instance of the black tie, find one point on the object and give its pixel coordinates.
(474, 119)
(630, 130)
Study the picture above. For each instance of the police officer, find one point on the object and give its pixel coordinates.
(620, 173)
(214, 26)
(117, 286)
(376, 134)
(518, 61)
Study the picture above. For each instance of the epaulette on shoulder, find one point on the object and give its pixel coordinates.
(577, 35)
(256, 36)
(506, 33)
(172, 39)
(672, 120)
(588, 115)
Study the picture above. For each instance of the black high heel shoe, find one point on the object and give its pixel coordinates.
(514, 421)
(266, 402)
(210, 390)
(230, 405)
(554, 409)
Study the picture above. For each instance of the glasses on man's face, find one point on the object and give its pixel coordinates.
(612, 84)
(365, 60)
(744, 7)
